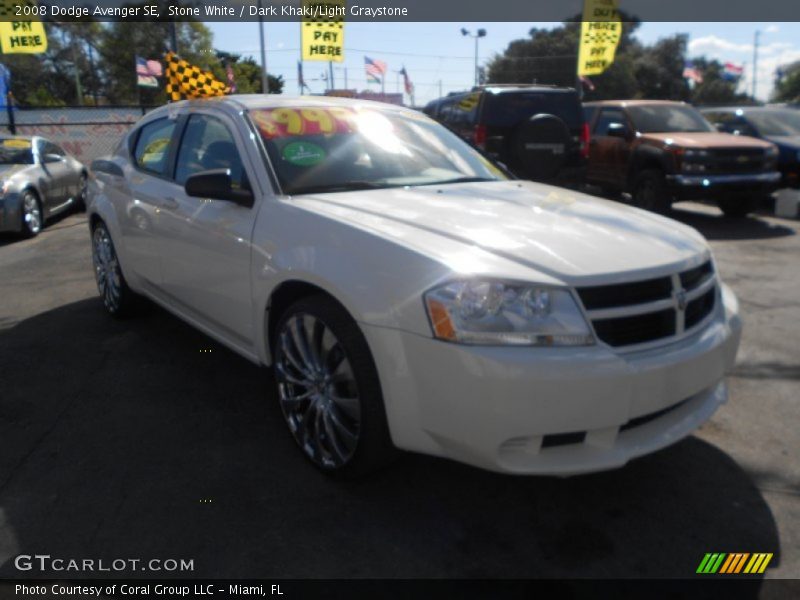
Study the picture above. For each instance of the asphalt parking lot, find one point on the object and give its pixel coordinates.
(130, 439)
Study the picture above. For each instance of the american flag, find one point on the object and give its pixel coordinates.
(406, 81)
(147, 71)
(691, 73)
(375, 69)
(732, 72)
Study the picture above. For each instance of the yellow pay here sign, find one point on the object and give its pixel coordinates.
(322, 30)
(601, 30)
(21, 31)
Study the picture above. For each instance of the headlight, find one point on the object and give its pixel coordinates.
(495, 313)
(4, 185)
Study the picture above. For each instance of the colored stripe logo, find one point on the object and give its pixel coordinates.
(734, 563)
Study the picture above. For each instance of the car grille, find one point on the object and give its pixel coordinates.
(651, 310)
(733, 160)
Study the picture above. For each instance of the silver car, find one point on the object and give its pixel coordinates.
(39, 180)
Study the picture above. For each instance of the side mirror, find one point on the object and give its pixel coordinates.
(217, 185)
(52, 158)
(106, 166)
(617, 130)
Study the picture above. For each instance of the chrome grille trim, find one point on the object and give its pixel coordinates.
(686, 287)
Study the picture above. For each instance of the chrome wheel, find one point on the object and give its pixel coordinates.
(31, 214)
(317, 390)
(106, 268)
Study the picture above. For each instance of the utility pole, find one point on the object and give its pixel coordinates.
(755, 61)
(440, 88)
(264, 78)
(330, 70)
(76, 66)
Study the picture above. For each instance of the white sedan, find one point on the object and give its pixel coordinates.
(407, 293)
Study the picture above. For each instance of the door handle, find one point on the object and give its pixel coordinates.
(169, 203)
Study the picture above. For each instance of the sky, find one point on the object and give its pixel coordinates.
(439, 59)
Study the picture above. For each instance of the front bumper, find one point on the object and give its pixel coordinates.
(10, 213)
(692, 187)
(556, 411)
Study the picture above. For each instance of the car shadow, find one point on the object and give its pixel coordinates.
(59, 221)
(719, 227)
(143, 438)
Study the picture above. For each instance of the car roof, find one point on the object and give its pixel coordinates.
(625, 103)
(744, 109)
(237, 102)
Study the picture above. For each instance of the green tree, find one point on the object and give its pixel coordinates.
(120, 42)
(659, 70)
(715, 89)
(247, 74)
(787, 88)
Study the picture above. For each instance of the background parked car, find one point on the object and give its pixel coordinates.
(661, 152)
(39, 180)
(779, 125)
(537, 131)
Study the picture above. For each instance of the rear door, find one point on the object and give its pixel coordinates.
(206, 242)
(141, 217)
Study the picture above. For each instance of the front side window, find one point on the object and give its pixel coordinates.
(666, 118)
(208, 144)
(152, 146)
(606, 118)
(336, 149)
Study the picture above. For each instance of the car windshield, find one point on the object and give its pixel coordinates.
(665, 118)
(776, 122)
(15, 151)
(336, 149)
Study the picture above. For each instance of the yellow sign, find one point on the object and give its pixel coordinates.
(601, 30)
(322, 30)
(21, 31)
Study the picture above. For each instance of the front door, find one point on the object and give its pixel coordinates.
(206, 258)
(608, 154)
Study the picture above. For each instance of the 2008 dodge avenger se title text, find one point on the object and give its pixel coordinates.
(407, 293)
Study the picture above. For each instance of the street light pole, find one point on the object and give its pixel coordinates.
(477, 35)
(755, 61)
(264, 78)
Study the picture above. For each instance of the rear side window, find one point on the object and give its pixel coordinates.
(512, 109)
(460, 110)
(152, 146)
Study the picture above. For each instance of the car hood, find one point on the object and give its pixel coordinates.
(708, 140)
(7, 171)
(569, 236)
(786, 141)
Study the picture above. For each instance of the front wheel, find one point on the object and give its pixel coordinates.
(118, 298)
(737, 207)
(32, 216)
(328, 388)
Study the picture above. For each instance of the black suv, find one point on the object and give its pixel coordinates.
(537, 131)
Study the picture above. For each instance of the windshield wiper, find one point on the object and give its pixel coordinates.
(346, 186)
(460, 180)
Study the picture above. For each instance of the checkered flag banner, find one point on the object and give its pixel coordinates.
(8, 10)
(186, 81)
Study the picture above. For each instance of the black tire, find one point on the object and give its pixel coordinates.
(123, 302)
(372, 448)
(540, 147)
(650, 191)
(80, 199)
(31, 225)
(737, 207)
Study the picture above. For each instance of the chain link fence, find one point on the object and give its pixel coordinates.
(86, 132)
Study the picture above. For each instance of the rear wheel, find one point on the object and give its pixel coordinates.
(118, 298)
(32, 216)
(328, 388)
(650, 191)
(737, 207)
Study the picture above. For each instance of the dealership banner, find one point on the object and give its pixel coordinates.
(601, 30)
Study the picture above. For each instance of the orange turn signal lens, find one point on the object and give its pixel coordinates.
(440, 319)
